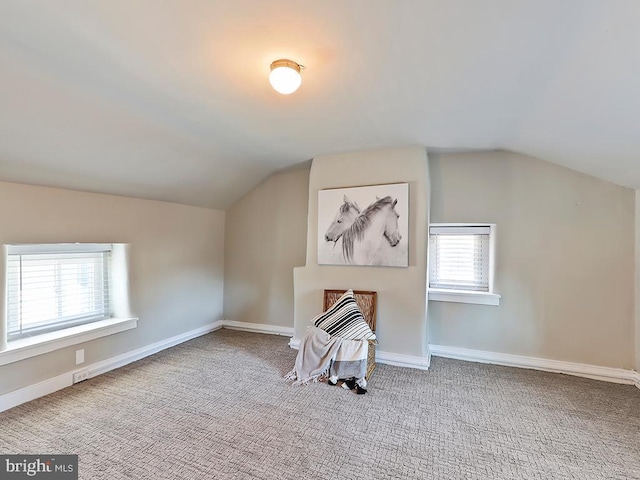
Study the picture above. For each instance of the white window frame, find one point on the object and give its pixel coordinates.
(52, 254)
(460, 295)
(119, 320)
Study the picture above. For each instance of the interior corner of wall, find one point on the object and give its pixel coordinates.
(3, 301)
(637, 279)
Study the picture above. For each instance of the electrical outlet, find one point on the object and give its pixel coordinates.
(80, 376)
(79, 356)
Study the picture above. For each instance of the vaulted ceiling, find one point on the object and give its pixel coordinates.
(170, 100)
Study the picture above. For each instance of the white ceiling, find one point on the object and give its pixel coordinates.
(170, 100)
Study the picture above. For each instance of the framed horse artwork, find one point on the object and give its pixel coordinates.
(364, 225)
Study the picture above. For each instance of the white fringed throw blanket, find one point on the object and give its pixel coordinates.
(320, 353)
(317, 349)
(351, 359)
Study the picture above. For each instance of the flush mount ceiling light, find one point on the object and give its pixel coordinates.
(285, 76)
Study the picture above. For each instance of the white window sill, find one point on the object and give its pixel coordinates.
(37, 345)
(463, 296)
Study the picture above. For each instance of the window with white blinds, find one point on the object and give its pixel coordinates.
(52, 287)
(459, 257)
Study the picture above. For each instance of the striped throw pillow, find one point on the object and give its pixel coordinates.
(344, 319)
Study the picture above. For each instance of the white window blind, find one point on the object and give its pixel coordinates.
(459, 257)
(51, 287)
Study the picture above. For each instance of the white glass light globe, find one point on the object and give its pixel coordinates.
(285, 80)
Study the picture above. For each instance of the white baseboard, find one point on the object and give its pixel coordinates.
(607, 374)
(258, 328)
(31, 392)
(26, 394)
(401, 360)
(140, 353)
(388, 358)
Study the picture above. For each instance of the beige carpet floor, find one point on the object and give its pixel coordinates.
(217, 408)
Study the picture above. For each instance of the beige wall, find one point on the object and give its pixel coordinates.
(176, 264)
(265, 238)
(565, 259)
(401, 326)
(637, 278)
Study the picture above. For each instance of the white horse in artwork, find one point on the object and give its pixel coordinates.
(363, 240)
(345, 217)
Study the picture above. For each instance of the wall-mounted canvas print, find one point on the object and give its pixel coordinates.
(364, 226)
